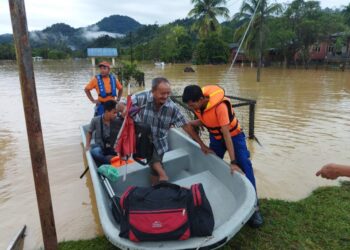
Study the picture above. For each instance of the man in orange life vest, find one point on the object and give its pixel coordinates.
(107, 87)
(215, 112)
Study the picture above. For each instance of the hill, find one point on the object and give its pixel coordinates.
(61, 35)
(118, 24)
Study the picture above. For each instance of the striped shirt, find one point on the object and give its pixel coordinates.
(160, 121)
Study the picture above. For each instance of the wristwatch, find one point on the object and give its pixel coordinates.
(234, 162)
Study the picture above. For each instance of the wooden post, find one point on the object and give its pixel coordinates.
(33, 124)
(252, 119)
(93, 61)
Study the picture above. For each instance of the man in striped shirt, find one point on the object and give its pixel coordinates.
(161, 113)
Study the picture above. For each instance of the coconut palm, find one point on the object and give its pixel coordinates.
(206, 13)
(254, 42)
(346, 12)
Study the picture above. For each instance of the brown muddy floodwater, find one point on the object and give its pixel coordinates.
(302, 122)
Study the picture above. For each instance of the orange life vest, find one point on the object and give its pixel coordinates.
(208, 116)
(117, 162)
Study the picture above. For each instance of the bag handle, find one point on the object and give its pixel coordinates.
(166, 184)
(160, 185)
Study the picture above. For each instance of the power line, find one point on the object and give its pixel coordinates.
(244, 36)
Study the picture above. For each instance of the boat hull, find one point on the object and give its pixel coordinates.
(232, 197)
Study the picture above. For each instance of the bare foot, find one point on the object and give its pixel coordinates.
(154, 180)
(162, 176)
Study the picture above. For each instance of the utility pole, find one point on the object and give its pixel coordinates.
(33, 124)
(258, 73)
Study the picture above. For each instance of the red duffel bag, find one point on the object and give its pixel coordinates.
(155, 213)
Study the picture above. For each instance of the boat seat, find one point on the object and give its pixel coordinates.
(176, 163)
(178, 158)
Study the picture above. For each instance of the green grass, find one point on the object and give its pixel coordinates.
(321, 221)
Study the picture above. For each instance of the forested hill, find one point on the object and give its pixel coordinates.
(61, 35)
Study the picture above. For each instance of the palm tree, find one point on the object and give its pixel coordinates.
(206, 13)
(254, 43)
(346, 12)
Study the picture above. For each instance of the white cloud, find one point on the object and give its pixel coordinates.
(89, 35)
(93, 32)
(81, 13)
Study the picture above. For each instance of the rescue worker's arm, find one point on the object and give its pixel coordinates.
(196, 123)
(189, 130)
(120, 90)
(88, 94)
(91, 85)
(120, 94)
(230, 148)
(88, 141)
(121, 108)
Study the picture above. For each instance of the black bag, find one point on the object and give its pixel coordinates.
(165, 212)
(144, 145)
(155, 213)
(200, 212)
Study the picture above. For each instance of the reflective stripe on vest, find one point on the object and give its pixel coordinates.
(102, 88)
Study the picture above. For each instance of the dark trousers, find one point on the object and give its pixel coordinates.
(242, 153)
(102, 156)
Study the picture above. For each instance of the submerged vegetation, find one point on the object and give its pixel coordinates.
(127, 71)
(320, 221)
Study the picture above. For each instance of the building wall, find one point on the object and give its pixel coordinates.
(321, 51)
(240, 58)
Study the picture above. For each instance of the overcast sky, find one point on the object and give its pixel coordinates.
(81, 13)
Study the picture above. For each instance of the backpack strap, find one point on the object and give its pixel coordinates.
(125, 196)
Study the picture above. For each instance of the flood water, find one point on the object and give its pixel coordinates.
(302, 122)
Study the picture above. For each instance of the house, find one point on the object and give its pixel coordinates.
(233, 51)
(37, 58)
(271, 54)
(334, 48)
(338, 48)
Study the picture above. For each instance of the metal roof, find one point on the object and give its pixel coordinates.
(102, 52)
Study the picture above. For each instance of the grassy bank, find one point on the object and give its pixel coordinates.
(321, 221)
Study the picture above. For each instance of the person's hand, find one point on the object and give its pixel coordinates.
(206, 150)
(329, 171)
(96, 102)
(121, 109)
(235, 168)
(124, 113)
(87, 147)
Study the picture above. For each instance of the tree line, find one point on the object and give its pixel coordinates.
(200, 38)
